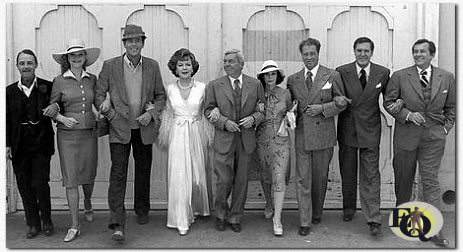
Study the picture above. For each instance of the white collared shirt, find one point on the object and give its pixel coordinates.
(130, 64)
(69, 73)
(428, 72)
(27, 90)
(367, 70)
(240, 78)
(313, 71)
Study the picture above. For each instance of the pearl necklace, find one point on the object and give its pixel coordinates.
(185, 88)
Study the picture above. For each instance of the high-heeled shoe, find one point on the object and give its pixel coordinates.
(89, 215)
(72, 234)
(183, 232)
(277, 229)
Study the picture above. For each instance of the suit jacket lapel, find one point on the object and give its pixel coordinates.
(244, 90)
(371, 83)
(319, 81)
(119, 75)
(145, 85)
(414, 80)
(436, 80)
(354, 83)
(227, 89)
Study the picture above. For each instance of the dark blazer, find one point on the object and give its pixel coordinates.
(405, 84)
(360, 124)
(13, 116)
(111, 79)
(219, 94)
(318, 131)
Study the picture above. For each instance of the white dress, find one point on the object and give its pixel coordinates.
(186, 133)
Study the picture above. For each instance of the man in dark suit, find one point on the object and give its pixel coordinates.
(236, 96)
(137, 99)
(315, 88)
(428, 114)
(359, 132)
(30, 143)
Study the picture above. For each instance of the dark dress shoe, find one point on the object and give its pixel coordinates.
(348, 214)
(33, 232)
(220, 224)
(304, 231)
(142, 219)
(440, 240)
(236, 227)
(316, 220)
(375, 228)
(48, 228)
(347, 217)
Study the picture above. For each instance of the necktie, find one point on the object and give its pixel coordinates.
(363, 78)
(424, 81)
(236, 85)
(308, 80)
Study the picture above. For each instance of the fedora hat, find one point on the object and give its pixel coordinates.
(269, 66)
(77, 45)
(133, 31)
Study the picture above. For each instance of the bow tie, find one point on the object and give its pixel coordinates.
(271, 94)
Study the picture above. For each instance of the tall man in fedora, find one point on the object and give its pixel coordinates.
(315, 88)
(30, 143)
(137, 99)
(421, 125)
(236, 96)
(359, 132)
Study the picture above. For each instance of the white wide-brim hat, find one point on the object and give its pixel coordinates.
(76, 45)
(269, 66)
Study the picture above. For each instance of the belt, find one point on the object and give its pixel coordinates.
(30, 123)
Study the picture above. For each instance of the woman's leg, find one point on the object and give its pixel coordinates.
(88, 191)
(280, 166)
(72, 195)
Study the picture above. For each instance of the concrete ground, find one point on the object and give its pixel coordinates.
(256, 233)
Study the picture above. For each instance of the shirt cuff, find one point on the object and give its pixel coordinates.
(408, 115)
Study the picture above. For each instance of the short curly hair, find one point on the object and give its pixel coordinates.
(182, 54)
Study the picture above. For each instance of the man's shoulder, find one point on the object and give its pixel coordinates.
(44, 82)
(218, 80)
(151, 61)
(11, 88)
(379, 68)
(249, 79)
(345, 67)
(442, 71)
(295, 74)
(405, 71)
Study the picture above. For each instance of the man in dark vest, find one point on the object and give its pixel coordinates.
(29, 142)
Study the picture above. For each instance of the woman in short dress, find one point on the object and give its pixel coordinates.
(77, 142)
(273, 145)
(186, 133)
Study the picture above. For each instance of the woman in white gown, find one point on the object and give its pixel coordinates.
(186, 134)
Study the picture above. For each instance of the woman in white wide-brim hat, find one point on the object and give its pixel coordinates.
(71, 106)
(273, 145)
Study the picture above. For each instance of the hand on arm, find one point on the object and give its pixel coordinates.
(144, 119)
(231, 126)
(51, 110)
(9, 156)
(396, 106)
(69, 122)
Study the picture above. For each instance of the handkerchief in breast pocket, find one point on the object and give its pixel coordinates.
(445, 91)
(327, 85)
(379, 85)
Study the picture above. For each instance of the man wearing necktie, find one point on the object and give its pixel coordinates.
(315, 88)
(421, 126)
(359, 133)
(231, 105)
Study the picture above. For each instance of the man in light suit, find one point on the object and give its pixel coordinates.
(137, 99)
(236, 96)
(428, 114)
(359, 132)
(315, 88)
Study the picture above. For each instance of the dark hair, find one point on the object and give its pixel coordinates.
(364, 40)
(182, 54)
(279, 79)
(309, 42)
(65, 63)
(432, 46)
(26, 51)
